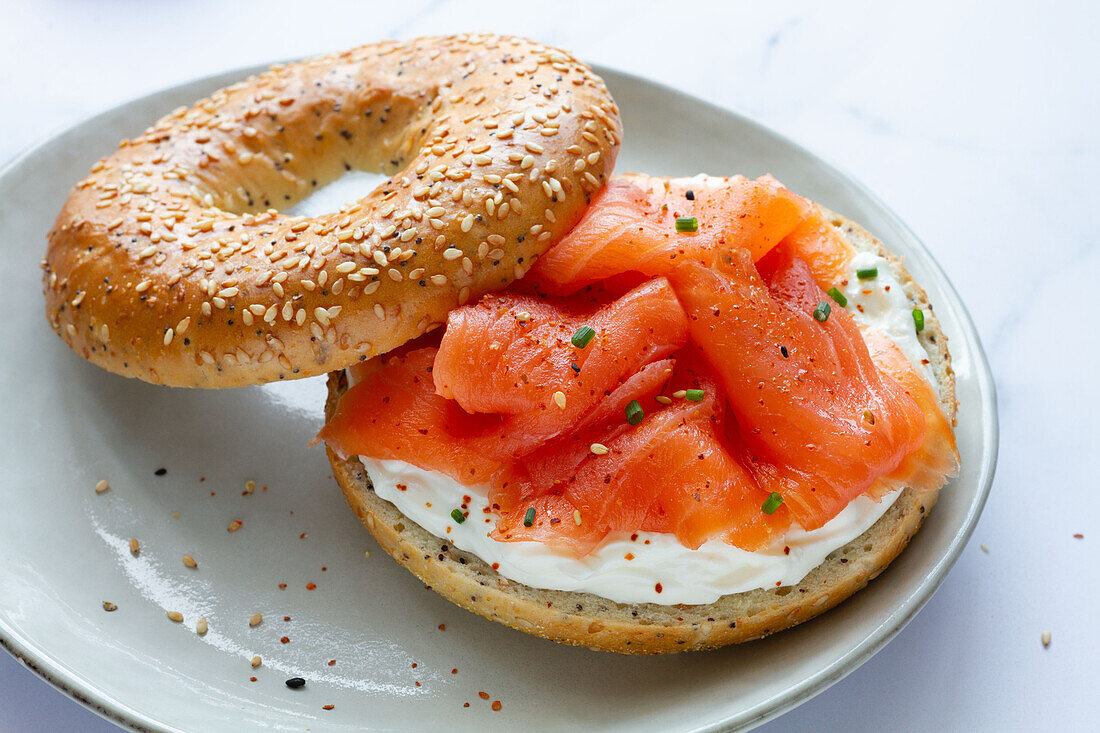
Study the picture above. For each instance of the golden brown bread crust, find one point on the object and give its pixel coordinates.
(169, 262)
(588, 620)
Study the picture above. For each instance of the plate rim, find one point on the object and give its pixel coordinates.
(83, 692)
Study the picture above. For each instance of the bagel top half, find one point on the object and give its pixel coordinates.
(171, 263)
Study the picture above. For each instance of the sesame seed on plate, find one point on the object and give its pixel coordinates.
(256, 619)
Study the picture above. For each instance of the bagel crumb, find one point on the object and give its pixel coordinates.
(108, 606)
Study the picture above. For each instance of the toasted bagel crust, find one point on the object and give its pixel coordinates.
(585, 619)
(170, 263)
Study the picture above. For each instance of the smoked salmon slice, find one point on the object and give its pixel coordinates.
(631, 227)
(514, 354)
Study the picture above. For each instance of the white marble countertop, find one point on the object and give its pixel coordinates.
(976, 122)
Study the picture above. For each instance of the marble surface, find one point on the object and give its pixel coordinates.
(975, 122)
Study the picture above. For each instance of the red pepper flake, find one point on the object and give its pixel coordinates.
(234, 525)
(311, 586)
(331, 662)
(417, 683)
(628, 556)
(634, 537)
(264, 488)
(414, 665)
(496, 706)
(496, 566)
(778, 583)
(1078, 536)
(454, 671)
(251, 679)
(327, 707)
(285, 639)
(302, 536)
(286, 618)
(201, 479)
(465, 704)
(212, 493)
(324, 569)
(483, 695)
(658, 588)
(787, 550)
(282, 586)
(443, 627)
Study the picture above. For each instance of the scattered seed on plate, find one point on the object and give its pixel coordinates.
(985, 548)
(483, 695)
(256, 661)
(190, 561)
(135, 546)
(101, 486)
(443, 627)
(234, 525)
(559, 399)
(366, 553)
(295, 682)
(249, 487)
(175, 616)
(1046, 638)
(201, 626)
(598, 449)
(108, 606)
(496, 706)
(327, 707)
(256, 620)
(175, 515)
(161, 471)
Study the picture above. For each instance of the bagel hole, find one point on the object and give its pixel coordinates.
(346, 189)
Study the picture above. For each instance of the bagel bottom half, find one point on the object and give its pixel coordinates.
(585, 619)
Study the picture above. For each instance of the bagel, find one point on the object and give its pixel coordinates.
(590, 620)
(171, 263)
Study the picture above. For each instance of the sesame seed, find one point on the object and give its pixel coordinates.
(1045, 638)
(452, 253)
(599, 449)
(664, 400)
(256, 661)
(235, 524)
(559, 399)
(256, 619)
(101, 486)
(175, 616)
(135, 546)
(201, 626)
(577, 517)
(190, 561)
(680, 394)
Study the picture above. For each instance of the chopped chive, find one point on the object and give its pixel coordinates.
(634, 412)
(574, 367)
(918, 319)
(529, 517)
(867, 273)
(686, 223)
(772, 503)
(583, 336)
(838, 297)
(456, 514)
(694, 395)
(821, 312)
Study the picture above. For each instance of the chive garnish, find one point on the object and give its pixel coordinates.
(686, 223)
(821, 312)
(838, 297)
(694, 395)
(583, 336)
(772, 503)
(529, 517)
(918, 319)
(456, 514)
(634, 412)
(867, 273)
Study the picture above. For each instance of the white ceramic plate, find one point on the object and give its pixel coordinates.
(65, 424)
